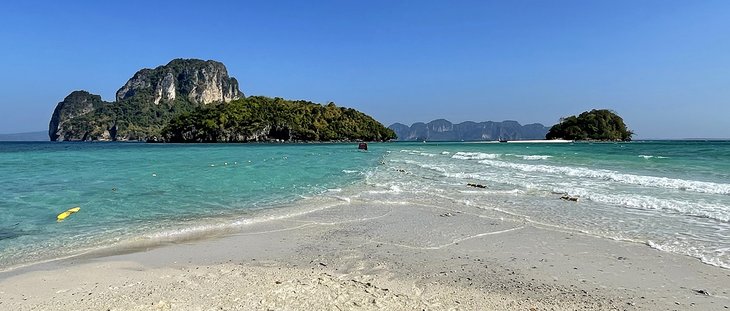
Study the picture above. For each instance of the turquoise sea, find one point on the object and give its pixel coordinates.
(670, 195)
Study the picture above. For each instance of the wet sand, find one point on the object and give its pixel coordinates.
(357, 256)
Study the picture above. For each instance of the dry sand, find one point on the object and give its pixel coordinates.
(356, 256)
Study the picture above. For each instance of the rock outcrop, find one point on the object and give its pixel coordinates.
(74, 107)
(443, 130)
(144, 104)
(200, 82)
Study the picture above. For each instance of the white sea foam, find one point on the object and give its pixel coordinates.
(433, 167)
(716, 260)
(648, 181)
(535, 157)
(343, 199)
(385, 188)
(421, 165)
(474, 156)
(529, 157)
(207, 229)
(619, 193)
(418, 152)
(350, 171)
(492, 192)
(697, 209)
(462, 175)
(651, 156)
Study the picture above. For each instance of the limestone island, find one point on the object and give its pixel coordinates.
(191, 100)
(597, 124)
(444, 130)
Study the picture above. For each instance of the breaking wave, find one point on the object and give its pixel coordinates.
(647, 181)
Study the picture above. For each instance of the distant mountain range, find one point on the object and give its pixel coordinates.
(443, 130)
(29, 136)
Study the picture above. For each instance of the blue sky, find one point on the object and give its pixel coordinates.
(662, 65)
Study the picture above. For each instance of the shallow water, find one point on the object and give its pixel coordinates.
(133, 191)
(670, 195)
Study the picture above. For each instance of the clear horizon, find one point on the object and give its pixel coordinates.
(661, 65)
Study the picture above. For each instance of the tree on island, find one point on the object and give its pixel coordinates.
(259, 118)
(597, 124)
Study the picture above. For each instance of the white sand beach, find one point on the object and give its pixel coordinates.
(356, 256)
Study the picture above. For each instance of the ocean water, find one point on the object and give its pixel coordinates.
(670, 195)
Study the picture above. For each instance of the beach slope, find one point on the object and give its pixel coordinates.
(357, 256)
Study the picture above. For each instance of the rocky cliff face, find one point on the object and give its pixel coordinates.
(443, 130)
(145, 103)
(200, 82)
(75, 106)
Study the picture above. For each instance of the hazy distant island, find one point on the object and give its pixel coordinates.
(191, 100)
(443, 130)
(597, 124)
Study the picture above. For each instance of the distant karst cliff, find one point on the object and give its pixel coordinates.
(443, 130)
(155, 104)
(145, 104)
(200, 82)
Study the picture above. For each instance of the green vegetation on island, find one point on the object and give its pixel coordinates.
(190, 100)
(262, 118)
(597, 124)
(83, 116)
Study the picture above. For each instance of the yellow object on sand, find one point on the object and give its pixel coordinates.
(67, 213)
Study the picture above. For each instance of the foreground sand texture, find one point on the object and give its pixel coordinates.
(359, 256)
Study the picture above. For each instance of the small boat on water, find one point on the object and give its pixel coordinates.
(362, 146)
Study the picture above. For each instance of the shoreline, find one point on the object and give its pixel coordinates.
(191, 232)
(433, 257)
